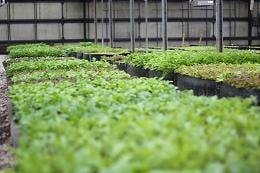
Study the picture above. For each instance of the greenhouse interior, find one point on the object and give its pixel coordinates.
(129, 86)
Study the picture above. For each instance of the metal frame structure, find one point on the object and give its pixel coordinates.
(219, 22)
(109, 21)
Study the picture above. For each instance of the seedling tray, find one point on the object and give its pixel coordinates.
(227, 90)
(199, 86)
(137, 71)
(121, 66)
(79, 55)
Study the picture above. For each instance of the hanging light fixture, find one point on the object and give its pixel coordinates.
(2, 2)
(199, 3)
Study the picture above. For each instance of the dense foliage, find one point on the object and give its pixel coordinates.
(43, 65)
(15, 60)
(170, 61)
(103, 121)
(22, 46)
(86, 47)
(35, 50)
(245, 75)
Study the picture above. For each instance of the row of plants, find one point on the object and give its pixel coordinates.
(44, 50)
(22, 46)
(108, 122)
(90, 48)
(170, 61)
(238, 75)
(35, 50)
(222, 80)
(43, 65)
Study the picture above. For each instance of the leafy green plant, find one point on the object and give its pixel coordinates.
(22, 46)
(138, 125)
(170, 61)
(238, 75)
(42, 65)
(16, 60)
(90, 48)
(36, 51)
(107, 122)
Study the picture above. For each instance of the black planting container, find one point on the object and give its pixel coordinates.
(85, 56)
(137, 71)
(121, 66)
(155, 73)
(227, 90)
(94, 57)
(72, 54)
(199, 86)
(79, 55)
(171, 76)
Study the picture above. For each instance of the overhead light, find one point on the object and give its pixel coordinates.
(199, 3)
(2, 2)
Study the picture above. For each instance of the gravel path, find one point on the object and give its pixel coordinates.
(5, 125)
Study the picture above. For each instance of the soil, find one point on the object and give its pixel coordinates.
(6, 157)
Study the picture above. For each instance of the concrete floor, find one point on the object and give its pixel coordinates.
(5, 123)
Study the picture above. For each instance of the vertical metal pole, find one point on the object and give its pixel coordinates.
(84, 19)
(35, 20)
(62, 22)
(102, 21)
(157, 22)
(206, 26)
(219, 22)
(110, 22)
(164, 25)
(250, 22)
(8, 22)
(88, 16)
(146, 25)
(132, 25)
(95, 21)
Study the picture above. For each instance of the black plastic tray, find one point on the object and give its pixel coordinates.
(121, 66)
(227, 90)
(79, 55)
(137, 71)
(199, 86)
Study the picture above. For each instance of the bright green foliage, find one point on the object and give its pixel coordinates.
(170, 61)
(100, 49)
(30, 66)
(241, 76)
(86, 73)
(22, 46)
(106, 122)
(35, 51)
(16, 60)
(87, 47)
